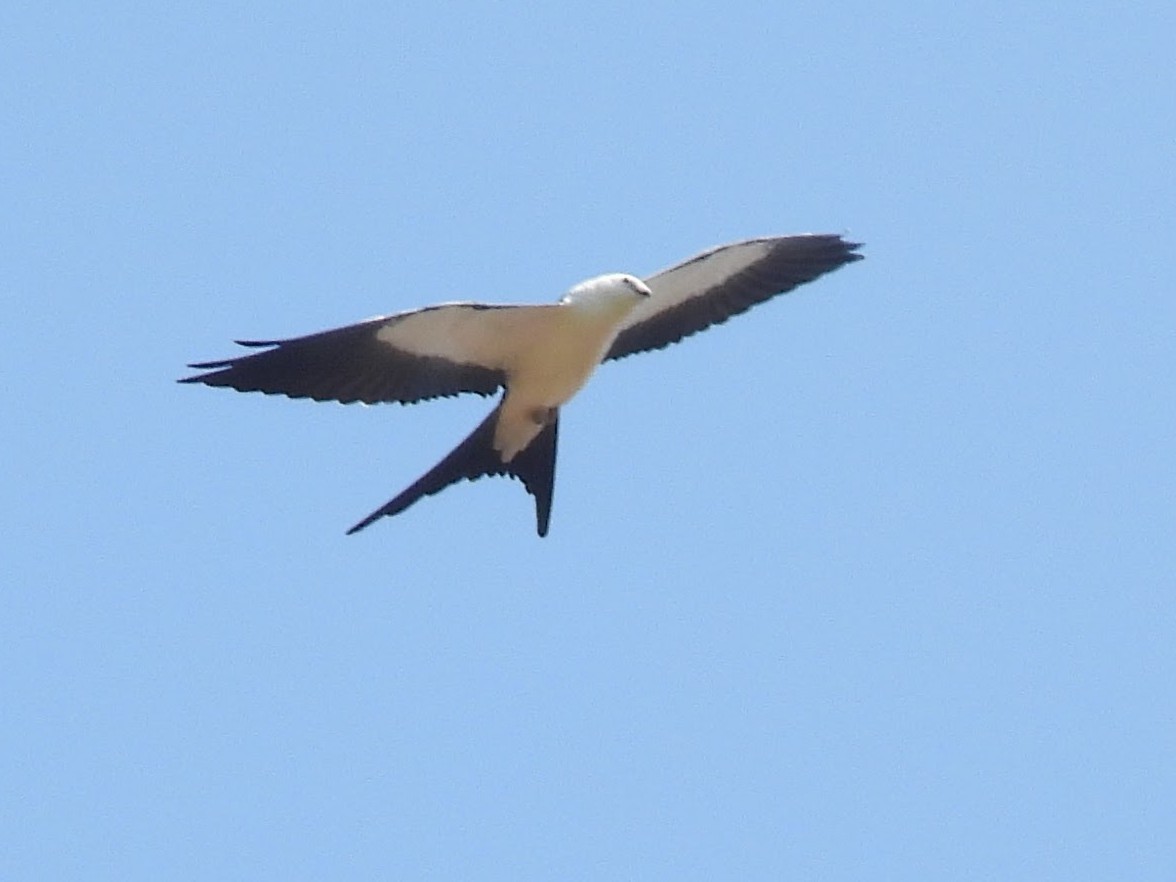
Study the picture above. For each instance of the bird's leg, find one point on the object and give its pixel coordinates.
(543, 416)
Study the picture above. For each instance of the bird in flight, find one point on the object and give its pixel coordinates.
(540, 355)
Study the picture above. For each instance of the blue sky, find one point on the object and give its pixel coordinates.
(874, 582)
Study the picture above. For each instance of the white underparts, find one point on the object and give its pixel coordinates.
(546, 352)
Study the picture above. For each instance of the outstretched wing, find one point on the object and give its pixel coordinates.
(427, 353)
(474, 458)
(713, 286)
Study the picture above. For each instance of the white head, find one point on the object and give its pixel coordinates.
(612, 289)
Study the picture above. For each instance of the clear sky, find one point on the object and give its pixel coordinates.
(875, 582)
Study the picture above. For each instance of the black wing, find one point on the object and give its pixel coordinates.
(358, 363)
(713, 286)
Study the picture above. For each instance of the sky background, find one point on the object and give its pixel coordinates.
(874, 582)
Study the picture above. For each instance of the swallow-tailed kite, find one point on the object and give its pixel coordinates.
(540, 355)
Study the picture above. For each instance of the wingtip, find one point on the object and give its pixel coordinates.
(833, 244)
(845, 250)
(838, 239)
(355, 528)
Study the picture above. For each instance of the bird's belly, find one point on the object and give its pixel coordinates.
(552, 374)
(540, 382)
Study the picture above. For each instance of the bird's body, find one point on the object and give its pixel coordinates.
(552, 363)
(540, 355)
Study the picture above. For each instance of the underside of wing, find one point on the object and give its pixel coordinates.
(713, 286)
(476, 458)
(428, 353)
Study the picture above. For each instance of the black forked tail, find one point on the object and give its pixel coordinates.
(475, 457)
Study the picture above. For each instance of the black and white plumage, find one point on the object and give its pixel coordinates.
(540, 355)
